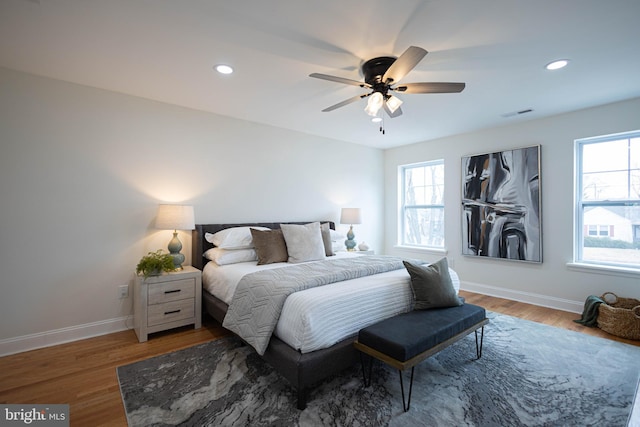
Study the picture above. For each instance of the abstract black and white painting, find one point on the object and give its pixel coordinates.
(501, 205)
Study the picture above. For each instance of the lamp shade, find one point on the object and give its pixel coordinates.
(350, 216)
(393, 103)
(175, 217)
(374, 104)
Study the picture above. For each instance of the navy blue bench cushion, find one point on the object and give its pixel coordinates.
(407, 335)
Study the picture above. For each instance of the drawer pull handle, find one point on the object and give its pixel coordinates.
(172, 291)
(171, 312)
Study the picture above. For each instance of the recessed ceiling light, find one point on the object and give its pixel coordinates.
(224, 69)
(556, 65)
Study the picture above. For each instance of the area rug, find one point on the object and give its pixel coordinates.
(529, 375)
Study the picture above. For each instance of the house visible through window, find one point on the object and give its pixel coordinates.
(422, 204)
(599, 230)
(608, 200)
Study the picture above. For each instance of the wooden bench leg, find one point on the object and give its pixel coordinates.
(406, 407)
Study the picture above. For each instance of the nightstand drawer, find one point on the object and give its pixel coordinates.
(170, 311)
(171, 291)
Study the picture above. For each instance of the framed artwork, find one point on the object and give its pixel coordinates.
(501, 215)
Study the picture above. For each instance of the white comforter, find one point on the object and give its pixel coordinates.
(319, 317)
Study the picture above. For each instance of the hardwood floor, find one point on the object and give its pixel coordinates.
(83, 373)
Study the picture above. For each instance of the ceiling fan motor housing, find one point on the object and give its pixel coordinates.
(373, 70)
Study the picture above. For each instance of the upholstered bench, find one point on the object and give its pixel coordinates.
(405, 340)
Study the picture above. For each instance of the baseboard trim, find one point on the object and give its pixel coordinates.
(526, 297)
(64, 335)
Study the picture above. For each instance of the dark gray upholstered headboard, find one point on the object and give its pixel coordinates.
(199, 245)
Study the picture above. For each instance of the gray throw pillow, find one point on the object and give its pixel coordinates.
(432, 286)
(304, 242)
(270, 246)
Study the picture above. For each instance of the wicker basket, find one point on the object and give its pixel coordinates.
(619, 316)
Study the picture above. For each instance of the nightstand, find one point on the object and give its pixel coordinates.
(367, 252)
(167, 301)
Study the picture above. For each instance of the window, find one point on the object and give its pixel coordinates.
(608, 200)
(422, 204)
(598, 230)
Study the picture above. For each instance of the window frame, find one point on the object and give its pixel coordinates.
(580, 205)
(402, 206)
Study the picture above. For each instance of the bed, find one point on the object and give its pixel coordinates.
(299, 356)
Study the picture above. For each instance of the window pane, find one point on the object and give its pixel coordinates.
(424, 185)
(634, 153)
(605, 156)
(606, 186)
(613, 235)
(424, 227)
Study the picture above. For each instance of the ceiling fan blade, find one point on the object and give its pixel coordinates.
(396, 113)
(345, 102)
(405, 63)
(339, 80)
(430, 88)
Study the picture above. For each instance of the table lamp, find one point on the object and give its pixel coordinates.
(350, 216)
(175, 217)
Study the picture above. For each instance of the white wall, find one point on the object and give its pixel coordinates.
(82, 171)
(550, 283)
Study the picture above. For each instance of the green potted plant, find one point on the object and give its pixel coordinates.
(154, 263)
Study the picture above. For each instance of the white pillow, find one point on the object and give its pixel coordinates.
(337, 236)
(455, 280)
(325, 232)
(304, 242)
(230, 256)
(233, 238)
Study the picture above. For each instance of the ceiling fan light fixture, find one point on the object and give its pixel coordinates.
(376, 119)
(374, 104)
(556, 65)
(393, 103)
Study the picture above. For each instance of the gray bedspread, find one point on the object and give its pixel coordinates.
(259, 297)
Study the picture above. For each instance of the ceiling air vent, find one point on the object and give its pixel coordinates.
(517, 113)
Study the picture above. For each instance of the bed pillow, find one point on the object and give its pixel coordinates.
(432, 286)
(325, 230)
(304, 242)
(270, 246)
(233, 238)
(337, 236)
(337, 241)
(230, 256)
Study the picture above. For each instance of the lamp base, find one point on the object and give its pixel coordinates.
(350, 243)
(175, 246)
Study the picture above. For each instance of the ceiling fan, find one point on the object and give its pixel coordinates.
(382, 75)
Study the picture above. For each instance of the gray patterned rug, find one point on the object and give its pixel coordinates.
(529, 375)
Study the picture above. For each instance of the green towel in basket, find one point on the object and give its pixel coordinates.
(590, 311)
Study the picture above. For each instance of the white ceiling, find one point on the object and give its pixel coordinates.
(165, 50)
